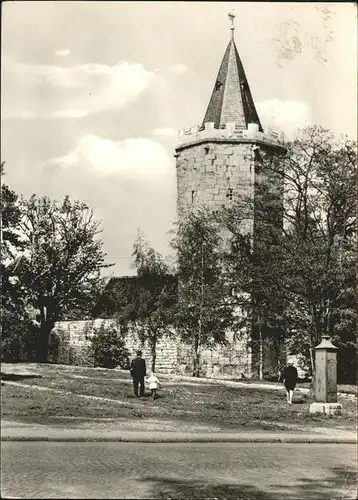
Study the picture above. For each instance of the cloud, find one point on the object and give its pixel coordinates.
(177, 69)
(165, 132)
(129, 184)
(285, 116)
(67, 113)
(62, 53)
(76, 91)
(137, 158)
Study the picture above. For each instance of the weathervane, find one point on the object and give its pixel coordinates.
(232, 27)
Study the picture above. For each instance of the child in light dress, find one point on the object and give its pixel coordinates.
(154, 384)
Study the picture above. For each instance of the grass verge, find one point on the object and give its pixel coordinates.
(226, 408)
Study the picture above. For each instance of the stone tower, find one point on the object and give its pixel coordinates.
(222, 158)
(216, 160)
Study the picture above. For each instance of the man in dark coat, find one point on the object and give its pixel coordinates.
(290, 377)
(138, 372)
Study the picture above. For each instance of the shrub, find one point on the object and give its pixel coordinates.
(108, 348)
(12, 332)
(19, 338)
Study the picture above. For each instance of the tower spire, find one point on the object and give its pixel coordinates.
(231, 16)
(231, 99)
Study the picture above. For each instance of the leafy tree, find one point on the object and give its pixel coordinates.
(14, 321)
(11, 243)
(151, 304)
(253, 279)
(108, 348)
(254, 224)
(61, 274)
(204, 311)
(319, 244)
(302, 272)
(116, 295)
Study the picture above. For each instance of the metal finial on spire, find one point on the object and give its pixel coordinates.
(232, 27)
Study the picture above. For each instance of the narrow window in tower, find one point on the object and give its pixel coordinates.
(192, 196)
(230, 194)
(218, 85)
(206, 149)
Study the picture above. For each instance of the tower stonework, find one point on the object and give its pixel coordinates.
(216, 171)
(221, 160)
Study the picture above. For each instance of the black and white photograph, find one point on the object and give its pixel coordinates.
(179, 198)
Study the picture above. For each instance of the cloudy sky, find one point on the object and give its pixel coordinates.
(93, 94)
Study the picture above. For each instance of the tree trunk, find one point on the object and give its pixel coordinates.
(261, 358)
(43, 345)
(153, 347)
(313, 373)
(197, 337)
(196, 357)
(312, 361)
(278, 346)
(46, 326)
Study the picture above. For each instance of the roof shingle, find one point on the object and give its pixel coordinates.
(231, 99)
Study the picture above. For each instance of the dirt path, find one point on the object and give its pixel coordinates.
(170, 379)
(84, 396)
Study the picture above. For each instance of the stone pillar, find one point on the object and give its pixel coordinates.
(325, 382)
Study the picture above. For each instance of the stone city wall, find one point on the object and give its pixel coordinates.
(172, 356)
(230, 361)
(74, 344)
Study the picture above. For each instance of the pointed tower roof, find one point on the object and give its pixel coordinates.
(231, 99)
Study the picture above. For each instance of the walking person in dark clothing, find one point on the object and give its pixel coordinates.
(290, 377)
(138, 372)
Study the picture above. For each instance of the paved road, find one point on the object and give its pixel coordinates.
(140, 470)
